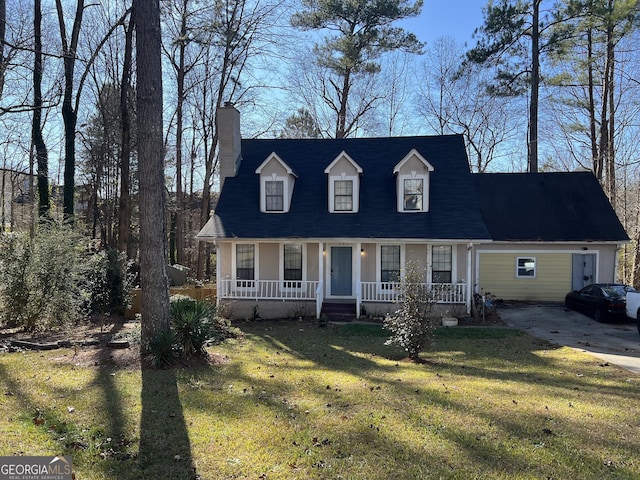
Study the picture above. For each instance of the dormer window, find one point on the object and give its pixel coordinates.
(276, 185)
(412, 184)
(344, 184)
(413, 193)
(274, 195)
(343, 195)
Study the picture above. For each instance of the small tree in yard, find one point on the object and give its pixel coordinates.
(412, 325)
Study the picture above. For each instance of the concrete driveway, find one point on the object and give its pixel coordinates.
(616, 343)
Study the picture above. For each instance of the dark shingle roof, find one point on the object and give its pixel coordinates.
(453, 212)
(549, 207)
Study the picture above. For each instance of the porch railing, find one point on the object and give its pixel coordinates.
(311, 290)
(267, 289)
(389, 291)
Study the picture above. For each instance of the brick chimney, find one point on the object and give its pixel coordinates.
(229, 153)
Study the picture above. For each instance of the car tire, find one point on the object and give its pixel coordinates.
(598, 315)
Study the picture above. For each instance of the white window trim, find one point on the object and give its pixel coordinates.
(379, 267)
(288, 182)
(356, 192)
(454, 261)
(281, 267)
(285, 193)
(256, 271)
(425, 194)
(535, 268)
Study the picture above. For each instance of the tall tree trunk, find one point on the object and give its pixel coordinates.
(181, 73)
(124, 202)
(153, 231)
(535, 85)
(611, 157)
(3, 33)
(42, 160)
(341, 125)
(593, 133)
(69, 113)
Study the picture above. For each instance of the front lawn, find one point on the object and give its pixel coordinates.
(294, 401)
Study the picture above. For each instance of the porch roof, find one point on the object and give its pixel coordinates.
(453, 214)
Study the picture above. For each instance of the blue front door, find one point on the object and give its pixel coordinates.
(341, 279)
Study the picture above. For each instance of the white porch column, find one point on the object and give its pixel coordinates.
(320, 289)
(359, 253)
(469, 294)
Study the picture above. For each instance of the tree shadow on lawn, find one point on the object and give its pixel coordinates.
(165, 448)
(513, 359)
(493, 353)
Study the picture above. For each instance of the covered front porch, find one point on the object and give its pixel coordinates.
(285, 279)
(311, 291)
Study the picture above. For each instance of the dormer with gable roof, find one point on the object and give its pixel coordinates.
(277, 180)
(343, 176)
(412, 183)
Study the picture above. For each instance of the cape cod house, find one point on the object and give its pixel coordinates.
(302, 224)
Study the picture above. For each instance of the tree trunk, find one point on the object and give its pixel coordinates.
(124, 202)
(69, 113)
(597, 165)
(3, 33)
(181, 73)
(341, 125)
(36, 130)
(153, 232)
(535, 85)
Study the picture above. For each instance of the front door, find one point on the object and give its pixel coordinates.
(583, 270)
(341, 279)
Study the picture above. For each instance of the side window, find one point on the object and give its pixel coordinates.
(526, 267)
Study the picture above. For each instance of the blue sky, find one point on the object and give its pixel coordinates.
(455, 18)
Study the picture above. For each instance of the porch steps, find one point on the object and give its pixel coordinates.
(339, 311)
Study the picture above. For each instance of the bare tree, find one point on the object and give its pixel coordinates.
(454, 98)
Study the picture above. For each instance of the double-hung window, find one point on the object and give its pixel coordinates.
(245, 265)
(292, 266)
(389, 265)
(441, 264)
(343, 195)
(413, 194)
(274, 195)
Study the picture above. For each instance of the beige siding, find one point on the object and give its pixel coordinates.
(273, 167)
(224, 258)
(369, 262)
(312, 261)
(344, 165)
(269, 261)
(497, 275)
(417, 254)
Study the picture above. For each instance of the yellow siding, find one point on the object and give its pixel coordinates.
(497, 274)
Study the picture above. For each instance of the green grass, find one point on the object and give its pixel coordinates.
(294, 401)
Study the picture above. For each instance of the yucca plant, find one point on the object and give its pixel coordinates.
(162, 350)
(191, 322)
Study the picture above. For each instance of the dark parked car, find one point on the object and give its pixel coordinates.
(604, 301)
